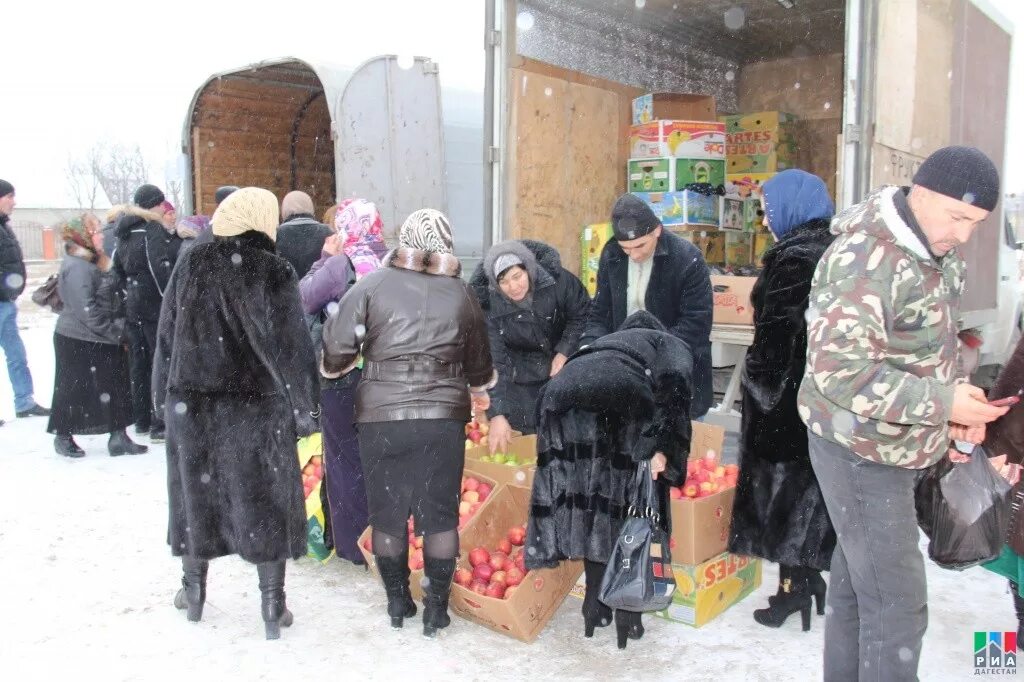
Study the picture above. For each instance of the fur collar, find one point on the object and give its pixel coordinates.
(428, 262)
(79, 251)
(134, 217)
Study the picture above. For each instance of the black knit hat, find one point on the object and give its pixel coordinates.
(148, 196)
(223, 193)
(961, 173)
(6, 188)
(632, 218)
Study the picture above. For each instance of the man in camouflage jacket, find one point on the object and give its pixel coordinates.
(882, 398)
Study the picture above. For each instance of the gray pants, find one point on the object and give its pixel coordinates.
(877, 594)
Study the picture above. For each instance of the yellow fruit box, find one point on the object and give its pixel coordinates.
(524, 448)
(592, 241)
(686, 139)
(706, 590)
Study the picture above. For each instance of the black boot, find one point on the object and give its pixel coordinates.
(66, 446)
(793, 596)
(394, 573)
(120, 444)
(192, 594)
(1018, 606)
(438, 587)
(595, 614)
(275, 614)
(817, 587)
(628, 625)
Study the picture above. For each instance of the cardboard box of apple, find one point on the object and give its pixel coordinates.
(492, 586)
(476, 490)
(706, 476)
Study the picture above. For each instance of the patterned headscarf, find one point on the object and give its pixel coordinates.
(250, 209)
(359, 222)
(75, 232)
(427, 230)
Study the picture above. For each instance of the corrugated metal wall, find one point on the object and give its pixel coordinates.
(31, 239)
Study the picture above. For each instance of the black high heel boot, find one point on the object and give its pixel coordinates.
(628, 625)
(1018, 606)
(120, 444)
(792, 596)
(275, 614)
(67, 447)
(817, 587)
(438, 587)
(192, 595)
(394, 573)
(595, 614)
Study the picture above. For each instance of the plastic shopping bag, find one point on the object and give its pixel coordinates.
(964, 510)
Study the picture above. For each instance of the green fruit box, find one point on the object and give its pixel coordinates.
(667, 174)
(522, 450)
(592, 242)
(526, 608)
(416, 574)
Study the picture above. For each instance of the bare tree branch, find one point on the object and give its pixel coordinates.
(83, 183)
(115, 168)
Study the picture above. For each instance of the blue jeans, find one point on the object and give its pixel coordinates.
(17, 363)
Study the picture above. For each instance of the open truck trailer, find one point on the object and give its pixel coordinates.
(875, 85)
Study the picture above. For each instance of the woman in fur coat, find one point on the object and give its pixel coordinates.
(779, 513)
(621, 400)
(536, 313)
(235, 377)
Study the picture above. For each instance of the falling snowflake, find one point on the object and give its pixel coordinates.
(524, 21)
(548, 92)
(180, 408)
(730, 75)
(735, 18)
(14, 281)
(236, 258)
(332, 308)
(405, 61)
(640, 4)
(905, 654)
(104, 398)
(969, 198)
(205, 478)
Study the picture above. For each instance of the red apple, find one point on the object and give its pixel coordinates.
(483, 572)
(509, 563)
(521, 563)
(464, 508)
(732, 469)
(416, 559)
(367, 545)
(484, 490)
(471, 496)
(417, 543)
(473, 507)
(509, 590)
(499, 577)
(514, 576)
(478, 556)
(478, 586)
(475, 435)
(464, 577)
(708, 488)
(505, 546)
(308, 469)
(517, 535)
(496, 590)
(676, 493)
(497, 560)
(691, 490)
(470, 483)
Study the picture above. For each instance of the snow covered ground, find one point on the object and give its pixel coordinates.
(86, 582)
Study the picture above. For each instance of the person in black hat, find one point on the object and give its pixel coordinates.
(646, 267)
(12, 284)
(143, 260)
(882, 398)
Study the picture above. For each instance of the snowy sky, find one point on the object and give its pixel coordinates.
(126, 71)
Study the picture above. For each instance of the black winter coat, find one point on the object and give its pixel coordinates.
(300, 239)
(779, 513)
(679, 295)
(12, 263)
(524, 341)
(1005, 436)
(144, 258)
(614, 404)
(235, 369)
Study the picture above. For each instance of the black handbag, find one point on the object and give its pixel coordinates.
(639, 574)
(48, 296)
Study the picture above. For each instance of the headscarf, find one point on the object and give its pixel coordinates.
(427, 230)
(196, 223)
(250, 209)
(295, 203)
(794, 197)
(75, 232)
(358, 221)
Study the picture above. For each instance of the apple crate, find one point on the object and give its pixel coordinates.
(525, 612)
(416, 576)
(525, 450)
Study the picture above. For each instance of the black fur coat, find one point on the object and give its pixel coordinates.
(614, 404)
(779, 513)
(235, 368)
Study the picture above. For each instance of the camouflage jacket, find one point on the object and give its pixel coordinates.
(882, 339)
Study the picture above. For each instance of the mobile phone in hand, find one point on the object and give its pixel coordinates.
(1008, 401)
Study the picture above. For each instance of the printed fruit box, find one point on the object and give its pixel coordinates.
(687, 139)
(731, 298)
(738, 247)
(708, 589)
(592, 242)
(733, 213)
(746, 185)
(518, 610)
(683, 208)
(667, 174)
(761, 142)
(310, 451)
(515, 466)
(470, 479)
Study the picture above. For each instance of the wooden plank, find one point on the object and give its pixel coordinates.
(807, 87)
(253, 90)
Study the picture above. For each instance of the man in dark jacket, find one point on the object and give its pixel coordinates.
(12, 283)
(648, 268)
(143, 259)
(300, 238)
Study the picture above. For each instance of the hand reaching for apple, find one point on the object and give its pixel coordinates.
(658, 463)
(500, 435)
(481, 401)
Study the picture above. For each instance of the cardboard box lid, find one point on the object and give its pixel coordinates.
(706, 437)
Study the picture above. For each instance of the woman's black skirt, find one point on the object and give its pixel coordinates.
(91, 388)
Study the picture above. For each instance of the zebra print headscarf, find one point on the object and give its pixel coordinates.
(427, 230)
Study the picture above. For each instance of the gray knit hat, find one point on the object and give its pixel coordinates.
(504, 262)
